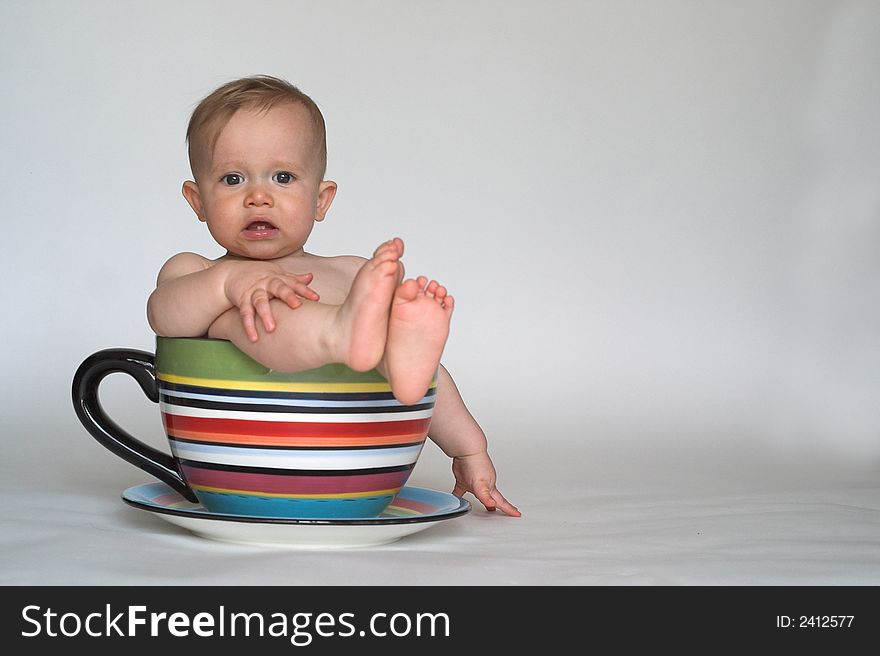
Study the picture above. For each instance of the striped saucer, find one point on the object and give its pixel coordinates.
(413, 509)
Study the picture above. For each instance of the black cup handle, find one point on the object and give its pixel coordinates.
(141, 366)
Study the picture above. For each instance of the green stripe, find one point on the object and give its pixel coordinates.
(216, 358)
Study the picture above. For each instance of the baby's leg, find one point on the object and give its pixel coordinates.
(417, 332)
(316, 334)
(361, 325)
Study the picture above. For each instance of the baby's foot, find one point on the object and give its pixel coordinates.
(362, 321)
(417, 332)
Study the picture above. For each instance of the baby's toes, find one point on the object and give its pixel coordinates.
(407, 290)
(386, 250)
(436, 291)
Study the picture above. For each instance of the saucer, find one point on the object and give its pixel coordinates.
(413, 509)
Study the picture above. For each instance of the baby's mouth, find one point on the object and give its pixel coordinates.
(260, 229)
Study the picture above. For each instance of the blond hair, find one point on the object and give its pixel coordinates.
(261, 92)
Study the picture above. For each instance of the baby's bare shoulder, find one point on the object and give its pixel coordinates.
(342, 265)
(349, 262)
(181, 265)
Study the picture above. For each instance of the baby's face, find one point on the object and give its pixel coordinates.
(260, 191)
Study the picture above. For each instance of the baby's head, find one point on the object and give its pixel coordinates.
(258, 153)
(259, 92)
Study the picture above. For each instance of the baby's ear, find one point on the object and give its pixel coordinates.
(193, 197)
(326, 193)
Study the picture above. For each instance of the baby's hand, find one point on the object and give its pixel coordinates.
(476, 474)
(250, 285)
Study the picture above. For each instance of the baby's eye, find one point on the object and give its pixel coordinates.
(283, 177)
(232, 179)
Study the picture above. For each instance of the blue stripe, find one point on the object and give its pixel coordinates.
(169, 387)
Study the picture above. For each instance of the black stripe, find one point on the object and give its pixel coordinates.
(194, 464)
(259, 407)
(273, 394)
(271, 447)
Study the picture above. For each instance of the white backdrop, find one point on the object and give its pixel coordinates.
(659, 219)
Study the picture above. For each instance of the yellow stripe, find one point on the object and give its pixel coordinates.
(276, 386)
(398, 510)
(374, 493)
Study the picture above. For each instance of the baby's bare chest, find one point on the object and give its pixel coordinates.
(332, 279)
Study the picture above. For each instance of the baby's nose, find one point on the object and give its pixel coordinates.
(258, 195)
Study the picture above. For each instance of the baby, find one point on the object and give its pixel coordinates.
(258, 153)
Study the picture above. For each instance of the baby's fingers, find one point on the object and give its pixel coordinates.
(264, 311)
(284, 292)
(493, 500)
(247, 321)
(299, 282)
(484, 496)
(504, 505)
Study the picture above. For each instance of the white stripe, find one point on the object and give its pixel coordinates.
(311, 403)
(297, 459)
(303, 417)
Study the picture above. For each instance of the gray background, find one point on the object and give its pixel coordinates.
(659, 220)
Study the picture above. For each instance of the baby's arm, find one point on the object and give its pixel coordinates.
(458, 434)
(192, 291)
(189, 295)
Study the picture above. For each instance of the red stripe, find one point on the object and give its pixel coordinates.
(294, 428)
(280, 484)
(324, 442)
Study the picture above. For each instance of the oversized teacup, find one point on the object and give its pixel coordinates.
(324, 443)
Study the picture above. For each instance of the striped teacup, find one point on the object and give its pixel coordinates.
(325, 443)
